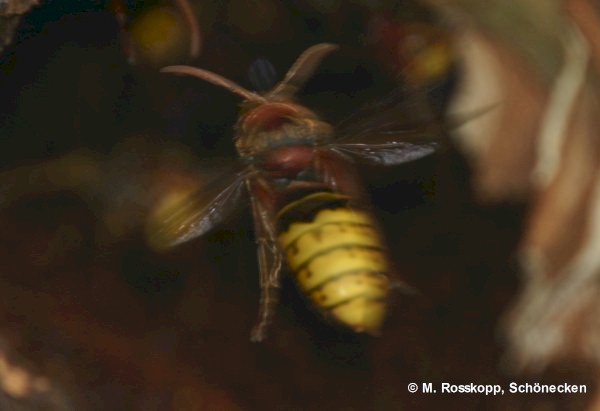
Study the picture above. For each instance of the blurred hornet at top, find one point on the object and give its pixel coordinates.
(310, 211)
(157, 34)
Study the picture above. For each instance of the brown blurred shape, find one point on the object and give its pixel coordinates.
(10, 15)
(538, 63)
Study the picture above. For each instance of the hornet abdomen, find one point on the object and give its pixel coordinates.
(337, 257)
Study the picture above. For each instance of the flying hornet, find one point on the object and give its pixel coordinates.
(310, 211)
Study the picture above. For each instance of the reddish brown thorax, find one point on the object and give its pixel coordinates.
(287, 161)
(269, 117)
(275, 127)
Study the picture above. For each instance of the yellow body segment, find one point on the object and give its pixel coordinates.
(339, 260)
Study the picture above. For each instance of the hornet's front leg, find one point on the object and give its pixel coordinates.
(269, 256)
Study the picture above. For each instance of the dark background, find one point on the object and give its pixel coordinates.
(116, 325)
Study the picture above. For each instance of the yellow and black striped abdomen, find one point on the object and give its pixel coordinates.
(337, 257)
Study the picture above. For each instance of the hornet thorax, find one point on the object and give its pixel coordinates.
(273, 120)
(274, 124)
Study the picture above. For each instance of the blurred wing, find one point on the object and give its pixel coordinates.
(400, 128)
(199, 212)
(403, 110)
(386, 154)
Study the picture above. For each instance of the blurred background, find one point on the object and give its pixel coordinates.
(96, 144)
